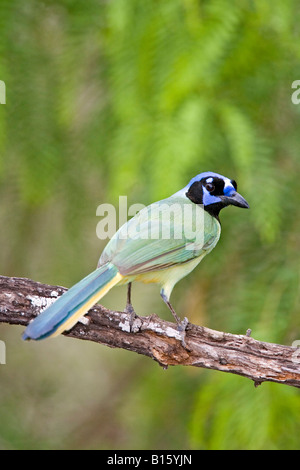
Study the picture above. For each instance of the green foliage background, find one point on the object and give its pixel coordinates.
(131, 97)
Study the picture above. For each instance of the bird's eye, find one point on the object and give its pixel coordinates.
(210, 187)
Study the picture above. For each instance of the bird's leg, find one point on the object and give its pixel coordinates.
(181, 324)
(129, 308)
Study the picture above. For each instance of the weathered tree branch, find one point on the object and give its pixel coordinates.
(22, 299)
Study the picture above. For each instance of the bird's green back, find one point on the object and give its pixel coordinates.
(170, 232)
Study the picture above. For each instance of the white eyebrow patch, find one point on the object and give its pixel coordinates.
(209, 180)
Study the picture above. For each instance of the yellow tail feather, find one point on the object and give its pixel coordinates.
(87, 306)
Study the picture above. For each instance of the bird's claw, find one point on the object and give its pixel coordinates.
(181, 328)
(130, 311)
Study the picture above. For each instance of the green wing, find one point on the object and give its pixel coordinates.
(170, 232)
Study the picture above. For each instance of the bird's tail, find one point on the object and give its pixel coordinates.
(73, 304)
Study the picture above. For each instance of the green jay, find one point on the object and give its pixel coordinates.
(161, 244)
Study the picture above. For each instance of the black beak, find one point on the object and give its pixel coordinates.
(235, 200)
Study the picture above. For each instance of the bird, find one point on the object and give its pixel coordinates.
(161, 244)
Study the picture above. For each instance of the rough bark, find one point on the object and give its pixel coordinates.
(22, 299)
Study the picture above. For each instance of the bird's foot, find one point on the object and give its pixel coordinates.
(181, 324)
(130, 311)
(181, 328)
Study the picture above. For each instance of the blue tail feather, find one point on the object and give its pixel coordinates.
(48, 321)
